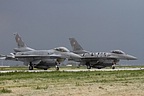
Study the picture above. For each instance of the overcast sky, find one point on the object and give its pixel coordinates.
(98, 25)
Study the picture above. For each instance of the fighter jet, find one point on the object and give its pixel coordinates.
(42, 59)
(99, 59)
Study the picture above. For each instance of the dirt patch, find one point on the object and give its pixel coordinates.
(81, 90)
(116, 83)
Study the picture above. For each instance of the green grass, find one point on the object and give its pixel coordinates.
(107, 76)
(59, 79)
(33, 82)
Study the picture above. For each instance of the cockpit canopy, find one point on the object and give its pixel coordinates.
(117, 52)
(61, 49)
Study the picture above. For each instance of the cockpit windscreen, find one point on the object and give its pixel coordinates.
(117, 52)
(62, 49)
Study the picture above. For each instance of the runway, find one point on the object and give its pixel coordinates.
(72, 70)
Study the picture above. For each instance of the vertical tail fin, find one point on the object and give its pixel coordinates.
(21, 45)
(75, 45)
(19, 41)
(77, 48)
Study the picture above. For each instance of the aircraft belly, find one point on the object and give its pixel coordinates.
(102, 61)
(40, 63)
(102, 65)
(45, 64)
(25, 59)
(49, 60)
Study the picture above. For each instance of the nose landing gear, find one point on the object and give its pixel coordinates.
(113, 65)
(57, 65)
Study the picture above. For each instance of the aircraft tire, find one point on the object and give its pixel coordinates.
(113, 67)
(88, 67)
(30, 67)
(57, 68)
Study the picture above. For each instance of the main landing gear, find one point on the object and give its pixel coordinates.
(45, 68)
(88, 65)
(30, 66)
(57, 68)
(57, 65)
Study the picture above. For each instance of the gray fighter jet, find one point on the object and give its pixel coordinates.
(42, 59)
(99, 59)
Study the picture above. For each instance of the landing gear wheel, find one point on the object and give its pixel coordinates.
(30, 66)
(88, 67)
(45, 68)
(57, 65)
(57, 68)
(113, 67)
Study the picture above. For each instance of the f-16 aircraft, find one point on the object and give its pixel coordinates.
(39, 58)
(99, 59)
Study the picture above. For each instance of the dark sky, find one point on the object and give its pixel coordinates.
(98, 25)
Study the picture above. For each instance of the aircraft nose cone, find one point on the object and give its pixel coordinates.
(131, 57)
(134, 58)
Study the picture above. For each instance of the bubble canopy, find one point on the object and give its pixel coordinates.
(61, 49)
(117, 52)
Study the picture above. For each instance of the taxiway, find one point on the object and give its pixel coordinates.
(73, 70)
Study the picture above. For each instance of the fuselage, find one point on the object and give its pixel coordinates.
(45, 58)
(108, 55)
(23, 49)
(104, 59)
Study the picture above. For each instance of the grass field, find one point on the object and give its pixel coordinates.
(96, 83)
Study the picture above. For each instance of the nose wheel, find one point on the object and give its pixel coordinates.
(57, 68)
(88, 65)
(57, 65)
(113, 65)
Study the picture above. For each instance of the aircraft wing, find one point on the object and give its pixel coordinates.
(15, 57)
(53, 56)
(7, 57)
(2, 58)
